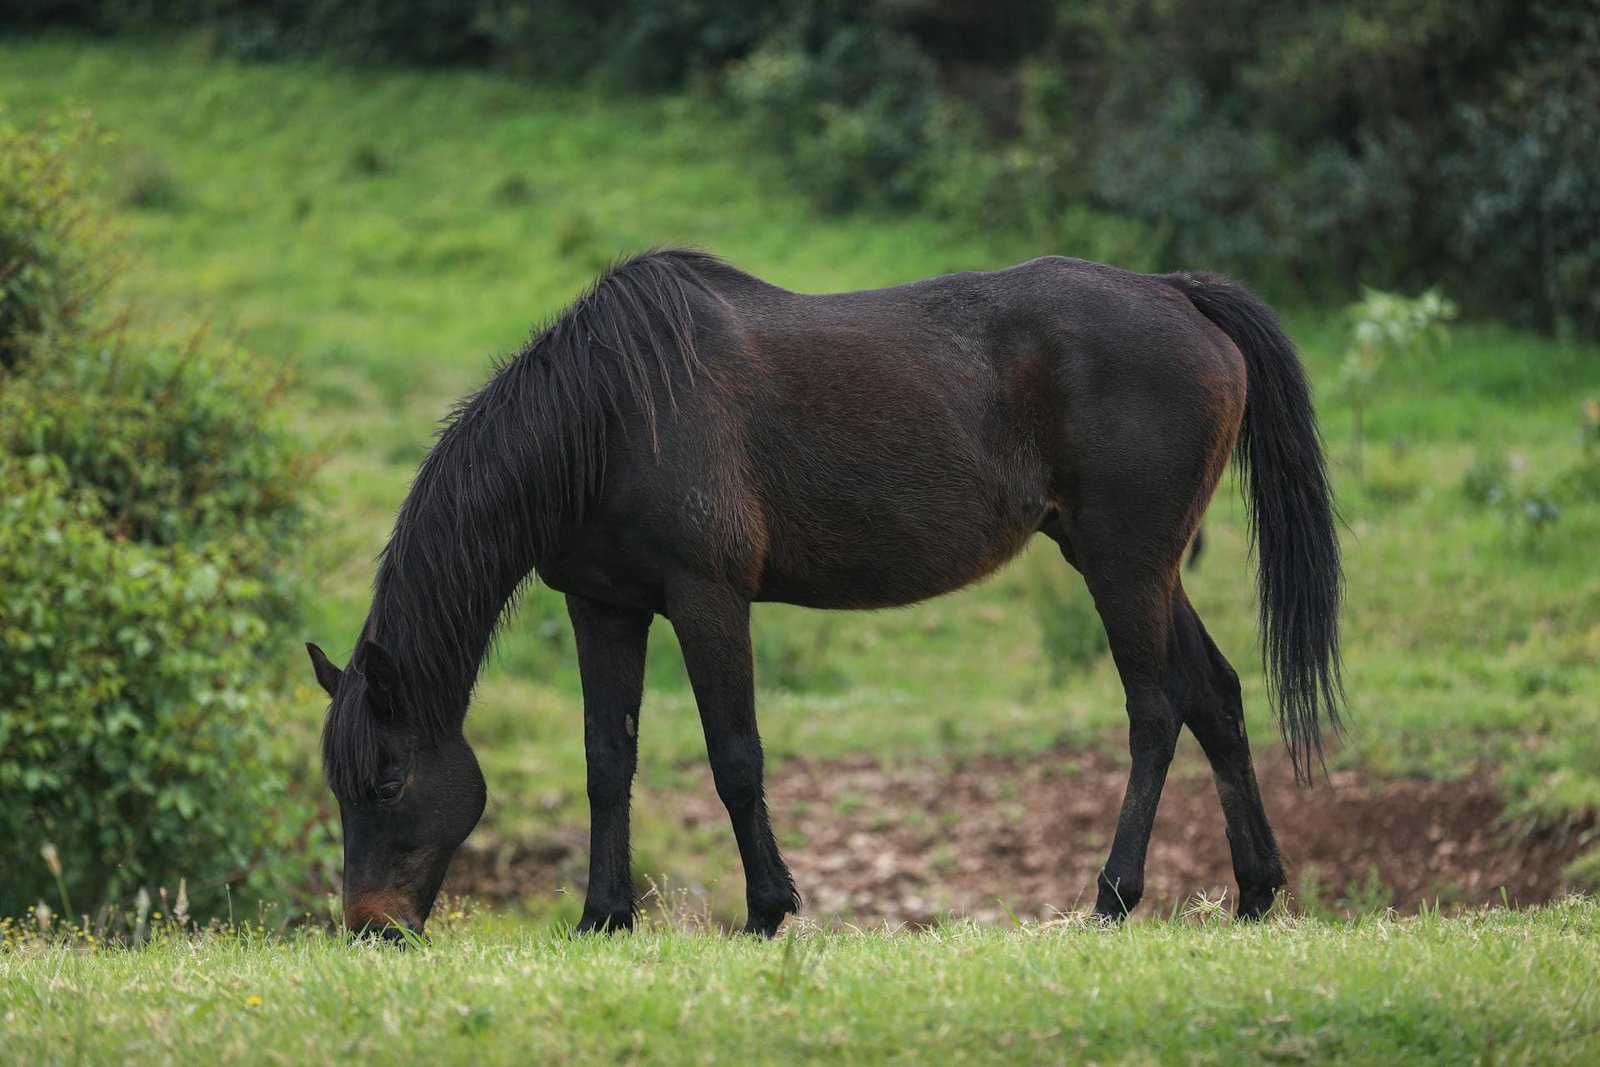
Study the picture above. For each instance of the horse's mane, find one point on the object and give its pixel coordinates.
(514, 465)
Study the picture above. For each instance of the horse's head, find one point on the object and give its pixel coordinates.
(406, 799)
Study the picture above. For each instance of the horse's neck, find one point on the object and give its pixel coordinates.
(444, 583)
(518, 464)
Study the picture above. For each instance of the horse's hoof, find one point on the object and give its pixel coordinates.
(1113, 901)
(1255, 904)
(764, 927)
(605, 923)
(766, 915)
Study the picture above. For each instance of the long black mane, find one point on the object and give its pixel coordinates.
(514, 465)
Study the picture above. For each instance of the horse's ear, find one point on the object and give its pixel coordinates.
(327, 674)
(383, 677)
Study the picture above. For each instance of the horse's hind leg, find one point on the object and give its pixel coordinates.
(611, 651)
(713, 626)
(1207, 691)
(1134, 598)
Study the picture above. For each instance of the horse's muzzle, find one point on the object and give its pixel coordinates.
(382, 916)
(393, 931)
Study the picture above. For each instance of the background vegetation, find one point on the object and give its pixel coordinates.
(1306, 144)
(150, 503)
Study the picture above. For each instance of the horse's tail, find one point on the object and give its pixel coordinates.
(1291, 514)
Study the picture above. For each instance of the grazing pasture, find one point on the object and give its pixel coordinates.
(388, 235)
(1502, 987)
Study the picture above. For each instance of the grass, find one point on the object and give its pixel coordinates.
(388, 233)
(1491, 987)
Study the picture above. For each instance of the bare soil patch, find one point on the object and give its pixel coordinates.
(984, 836)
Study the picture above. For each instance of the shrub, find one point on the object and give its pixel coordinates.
(150, 500)
(51, 262)
(1526, 186)
(178, 445)
(1528, 508)
(1488, 478)
(855, 115)
(1385, 327)
(135, 733)
(1308, 147)
(1070, 630)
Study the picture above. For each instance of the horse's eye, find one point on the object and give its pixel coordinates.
(389, 792)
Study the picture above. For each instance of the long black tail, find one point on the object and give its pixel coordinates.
(1291, 515)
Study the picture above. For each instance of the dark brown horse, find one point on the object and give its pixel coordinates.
(687, 439)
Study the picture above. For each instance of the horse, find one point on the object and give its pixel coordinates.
(686, 440)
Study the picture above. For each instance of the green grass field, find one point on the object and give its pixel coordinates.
(1503, 987)
(386, 235)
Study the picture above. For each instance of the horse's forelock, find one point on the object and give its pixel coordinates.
(351, 753)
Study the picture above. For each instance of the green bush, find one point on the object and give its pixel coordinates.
(181, 444)
(630, 43)
(1070, 630)
(1384, 328)
(51, 261)
(150, 508)
(135, 725)
(855, 114)
(1525, 183)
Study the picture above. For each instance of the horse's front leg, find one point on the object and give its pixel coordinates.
(611, 650)
(713, 626)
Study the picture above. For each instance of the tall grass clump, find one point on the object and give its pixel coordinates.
(150, 496)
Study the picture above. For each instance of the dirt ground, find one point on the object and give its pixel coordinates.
(982, 837)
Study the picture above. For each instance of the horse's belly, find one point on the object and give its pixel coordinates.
(904, 550)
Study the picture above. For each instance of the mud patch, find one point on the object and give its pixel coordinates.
(988, 836)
